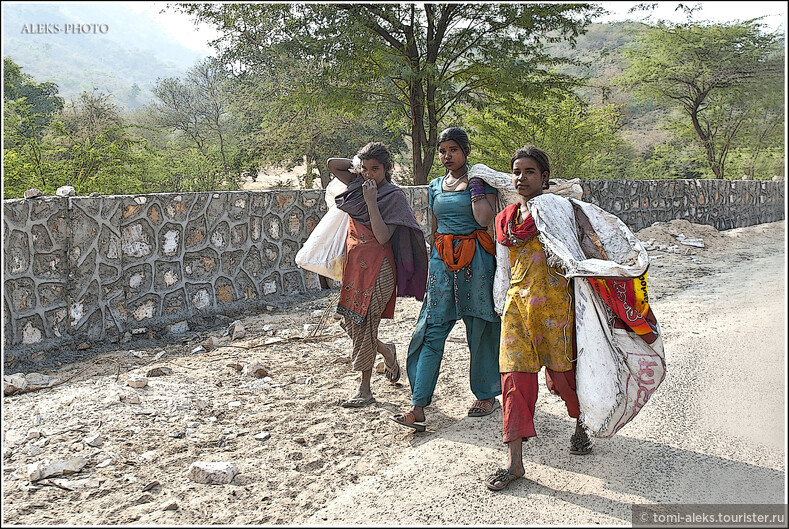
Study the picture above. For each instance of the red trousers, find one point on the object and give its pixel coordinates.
(519, 396)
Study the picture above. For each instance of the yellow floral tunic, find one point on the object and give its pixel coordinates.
(537, 324)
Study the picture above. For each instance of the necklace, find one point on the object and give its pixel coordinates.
(454, 184)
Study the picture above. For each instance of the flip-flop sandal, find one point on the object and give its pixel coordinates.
(500, 479)
(480, 408)
(392, 374)
(408, 419)
(357, 402)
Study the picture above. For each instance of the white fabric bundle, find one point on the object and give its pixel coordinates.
(616, 370)
(324, 250)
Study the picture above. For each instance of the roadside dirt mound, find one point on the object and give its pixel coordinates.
(672, 232)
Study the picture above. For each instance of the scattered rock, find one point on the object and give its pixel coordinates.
(237, 366)
(273, 339)
(180, 327)
(44, 469)
(33, 434)
(33, 193)
(236, 331)
(199, 349)
(211, 343)
(66, 191)
(160, 355)
(310, 327)
(136, 354)
(159, 372)
(255, 369)
(302, 380)
(212, 472)
(13, 384)
(94, 440)
(169, 505)
(698, 243)
(262, 436)
(316, 313)
(83, 346)
(137, 382)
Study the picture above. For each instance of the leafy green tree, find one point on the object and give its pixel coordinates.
(198, 109)
(37, 103)
(28, 109)
(712, 73)
(286, 128)
(94, 151)
(418, 59)
(581, 140)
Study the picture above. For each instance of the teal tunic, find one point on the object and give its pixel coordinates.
(468, 291)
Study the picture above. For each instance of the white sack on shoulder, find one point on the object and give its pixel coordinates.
(616, 371)
(324, 250)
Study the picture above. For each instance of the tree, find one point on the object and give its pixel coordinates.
(28, 109)
(580, 139)
(283, 127)
(418, 59)
(36, 103)
(198, 108)
(711, 73)
(94, 151)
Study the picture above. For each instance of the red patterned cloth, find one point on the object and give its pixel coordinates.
(508, 231)
(363, 258)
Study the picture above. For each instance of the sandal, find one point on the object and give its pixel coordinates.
(358, 402)
(408, 419)
(500, 479)
(480, 408)
(392, 374)
(580, 444)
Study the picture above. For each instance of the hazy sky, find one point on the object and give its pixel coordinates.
(182, 28)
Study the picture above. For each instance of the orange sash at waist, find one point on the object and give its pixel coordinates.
(460, 256)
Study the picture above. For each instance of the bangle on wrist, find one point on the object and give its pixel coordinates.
(477, 188)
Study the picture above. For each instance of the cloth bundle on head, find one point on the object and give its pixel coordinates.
(408, 241)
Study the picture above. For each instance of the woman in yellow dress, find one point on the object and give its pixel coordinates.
(536, 323)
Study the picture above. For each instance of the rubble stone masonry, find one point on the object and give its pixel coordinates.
(85, 269)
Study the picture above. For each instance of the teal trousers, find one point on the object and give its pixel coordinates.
(426, 351)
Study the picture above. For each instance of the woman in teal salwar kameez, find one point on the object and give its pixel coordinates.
(459, 285)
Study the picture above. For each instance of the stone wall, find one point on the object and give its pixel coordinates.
(724, 204)
(84, 269)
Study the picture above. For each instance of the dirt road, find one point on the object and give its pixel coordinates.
(714, 432)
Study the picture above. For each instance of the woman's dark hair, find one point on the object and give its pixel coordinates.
(378, 151)
(457, 135)
(535, 153)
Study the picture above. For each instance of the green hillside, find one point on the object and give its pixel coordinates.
(125, 61)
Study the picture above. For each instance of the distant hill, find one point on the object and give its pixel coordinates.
(125, 61)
